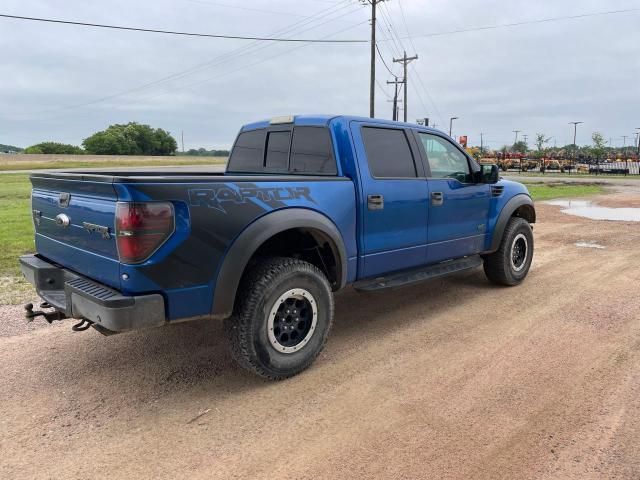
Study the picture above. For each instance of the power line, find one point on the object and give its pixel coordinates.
(220, 59)
(527, 22)
(393, 32)
(406, 27)
(189, 34)
(413, 68)
(383, 62)
(262, 60)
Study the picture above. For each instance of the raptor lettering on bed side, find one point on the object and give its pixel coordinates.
(216, 197)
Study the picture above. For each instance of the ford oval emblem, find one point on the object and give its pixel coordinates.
(62, 220)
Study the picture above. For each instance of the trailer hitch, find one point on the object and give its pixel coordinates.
(82, 325)
(48, 316)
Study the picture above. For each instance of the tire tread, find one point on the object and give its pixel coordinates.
(252, 287)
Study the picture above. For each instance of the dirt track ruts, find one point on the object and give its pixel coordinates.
(449, 379)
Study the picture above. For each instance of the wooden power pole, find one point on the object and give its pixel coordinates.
(405, 61)
(395, 82)
(372, 80)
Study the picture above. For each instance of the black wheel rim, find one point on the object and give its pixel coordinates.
(519, 252)
(292, 320)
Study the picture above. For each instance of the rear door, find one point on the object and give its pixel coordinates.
(458, 207)
(74, 220)
(393, 201)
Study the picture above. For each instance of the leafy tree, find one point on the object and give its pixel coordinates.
(54, 148)
(131, 139)
(599, 145)
(520, 147)
(203, 152)
(9, 148)
(541, 140)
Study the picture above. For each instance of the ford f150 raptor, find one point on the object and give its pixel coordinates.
(307, 206)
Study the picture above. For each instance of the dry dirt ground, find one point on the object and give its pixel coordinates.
(450, 379)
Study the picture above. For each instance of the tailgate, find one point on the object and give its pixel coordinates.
(74, 224)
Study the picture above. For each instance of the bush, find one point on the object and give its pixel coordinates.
(54, 148)
(131, 139)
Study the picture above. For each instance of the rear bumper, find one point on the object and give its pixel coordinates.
(79, 297)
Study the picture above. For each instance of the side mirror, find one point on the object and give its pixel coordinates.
(488, 174)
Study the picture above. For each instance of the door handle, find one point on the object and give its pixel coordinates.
(375, 202)
(437, 198)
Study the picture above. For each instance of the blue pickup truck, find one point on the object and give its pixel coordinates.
(307, 206)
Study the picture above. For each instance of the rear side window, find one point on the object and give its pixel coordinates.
(388, 153)
(311, 151)
(247, 152)
(277, 158)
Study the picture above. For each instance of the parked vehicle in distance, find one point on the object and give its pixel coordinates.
(307, 205)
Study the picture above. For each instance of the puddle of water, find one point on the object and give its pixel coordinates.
(587, 209)
(590, 245)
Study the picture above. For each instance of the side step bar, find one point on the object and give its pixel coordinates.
(415, 275)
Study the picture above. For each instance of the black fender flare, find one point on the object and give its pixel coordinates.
(507, 212)
(247, 243)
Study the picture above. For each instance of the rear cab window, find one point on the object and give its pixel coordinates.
(388, 153)
(299, 150)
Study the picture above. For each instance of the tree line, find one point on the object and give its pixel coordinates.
(597, 150)
(123, 139)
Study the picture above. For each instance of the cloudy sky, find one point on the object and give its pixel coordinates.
(63, 83)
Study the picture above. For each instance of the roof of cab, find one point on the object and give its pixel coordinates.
(325, 119)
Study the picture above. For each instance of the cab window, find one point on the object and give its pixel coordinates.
(445, 159)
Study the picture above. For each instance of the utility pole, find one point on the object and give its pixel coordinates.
(516, 132)
(395, 82)
(481, 143)
(451, 124)
(405, 61)
(575, 129)
(575, 147)
(183, 141)
(525, 138)
(638, 135)
(397, 109)
(372, 82)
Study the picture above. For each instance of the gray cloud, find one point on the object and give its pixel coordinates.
(532, 77)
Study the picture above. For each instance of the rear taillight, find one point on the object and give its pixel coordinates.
(141, 228)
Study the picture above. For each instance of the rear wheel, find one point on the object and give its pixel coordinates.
(510, 264)
(282, 317)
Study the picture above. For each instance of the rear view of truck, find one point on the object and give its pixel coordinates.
(83, 234)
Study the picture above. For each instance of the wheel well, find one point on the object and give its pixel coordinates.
(527, 212)
(308, 244)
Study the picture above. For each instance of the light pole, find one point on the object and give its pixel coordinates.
(451, 124)
(516, 132)
(638, 134)
(575, 147)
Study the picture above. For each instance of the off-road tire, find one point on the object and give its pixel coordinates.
(498, 266)
(261, 287)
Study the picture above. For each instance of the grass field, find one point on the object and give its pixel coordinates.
(38, 162)
(547, 192)
(16, 234)
(16, 230)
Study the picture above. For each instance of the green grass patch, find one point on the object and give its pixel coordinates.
(16, 234)
(568, 176)
(547, 192)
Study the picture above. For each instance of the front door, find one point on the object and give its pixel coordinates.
(458, 207)
(394, 196)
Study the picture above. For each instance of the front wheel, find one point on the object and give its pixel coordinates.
(282, 317)
(510, 264)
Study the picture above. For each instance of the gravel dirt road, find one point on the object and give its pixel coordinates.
(450, 379)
